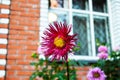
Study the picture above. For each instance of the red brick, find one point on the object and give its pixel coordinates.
(17, 8)
(32, 37)
(29, 5)
(10, 73)
(3, 45)
(12, 78)
(30, 42)
(3, 26)
(34, 10)
(4, 6)
(16, 47)
(31, 14)
(14, 67)
(11, 62)
(17, 37)
(24, 23)
(34, 1)
(24, 37)
(15, 57)
(28, 67)
(2, 67)
(32, 47)
(24, 73)
(1, 78)
(25, 14)
(13, 42)
(24, 42)
(19, 32)
(4, 15)
(85, 68)
(18, 1)
(22, 4)
(22, 18)
(12, 21)
(12, 52)
(28, 57)
(13, 13)
(3, 35)
(25, 78)
(79, 78)
(19, 27)
(26, 52)
(82, 73)
(2, 56)
(21, 62)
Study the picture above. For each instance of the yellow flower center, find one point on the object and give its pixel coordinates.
(59, 42)
(96, 75)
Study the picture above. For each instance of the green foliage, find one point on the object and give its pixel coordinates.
(52, 70)
(111, 66)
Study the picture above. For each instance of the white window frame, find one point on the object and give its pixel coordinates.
(44, 8)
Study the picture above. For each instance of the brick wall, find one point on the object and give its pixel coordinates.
(22, 38)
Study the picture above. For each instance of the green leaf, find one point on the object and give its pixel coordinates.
(33, 76)
(33, 63)
(35, 55)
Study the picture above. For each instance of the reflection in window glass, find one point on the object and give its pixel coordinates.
(100, 5)
(80, 26)
(55, 16)
(58, 3)
(80, 4)
(101, 30)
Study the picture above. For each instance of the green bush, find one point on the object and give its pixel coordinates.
(53, 70)
(111, 66)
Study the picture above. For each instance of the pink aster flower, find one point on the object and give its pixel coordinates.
(102, 49)
(103, 55)
(96, 74)
(57, 42)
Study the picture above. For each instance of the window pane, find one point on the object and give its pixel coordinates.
(100, 5)
(101, 30)
(55, 16)
(80, 4)
(58, 3)
(81, 27)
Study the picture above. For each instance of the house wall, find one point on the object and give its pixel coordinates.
(115, 19)
(19, 35)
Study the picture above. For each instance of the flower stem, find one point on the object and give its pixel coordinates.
(67, 70)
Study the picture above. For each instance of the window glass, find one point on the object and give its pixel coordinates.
(80, 4)
(101, 29)
(80, 26)
(100, 5)
(58, 3)
(55, 16)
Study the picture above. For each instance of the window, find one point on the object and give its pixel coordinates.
(90, 20)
